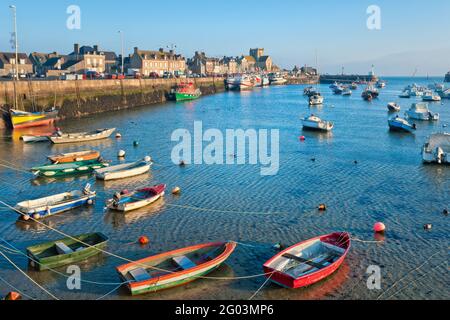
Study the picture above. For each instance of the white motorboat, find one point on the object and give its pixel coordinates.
(231, 83)
(437, 149)
(399, 124)
(420, 111)
(315, 123)
(381, 84)
(276, 79)
(394, 107)
(430, 97)
(315, 99)
(265, 81)
(405, 94)
(445, 94)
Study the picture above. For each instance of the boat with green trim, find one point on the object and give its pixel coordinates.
(187, 91)
(174, 268)
(66, 251)
(67, 169)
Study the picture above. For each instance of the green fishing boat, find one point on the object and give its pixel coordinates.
(187, 91)
(67, 169)
(66, 251)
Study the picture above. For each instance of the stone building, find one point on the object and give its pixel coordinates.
(8, 64)
(262, 62)
(146, 62)
(85, 59)
(201, 64)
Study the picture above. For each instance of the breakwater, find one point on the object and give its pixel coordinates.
(302, 80)
(346, 78)
(79, 98)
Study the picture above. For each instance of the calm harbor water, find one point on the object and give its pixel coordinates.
(388, 183)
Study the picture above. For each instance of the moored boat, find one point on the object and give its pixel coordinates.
(244, 82)
(405, 94)
(174, 268)
(430, 97)
(66, 251)
(126, 201)
(315, 123)
(315, 99)
(74, 156)
(393, 106)
(51, 205)
(399, 124)
(82, 136)
(36, 138)
(187, 91)
(125, 170)
(309, 261)
(369, 93)
(276, 79)
(67, 169)
(23, 119)
(347, 92)
(420, 111)
(437, 149)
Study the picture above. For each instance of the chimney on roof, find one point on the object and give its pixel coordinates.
(96, 48)
(161, 50)
(76, 48)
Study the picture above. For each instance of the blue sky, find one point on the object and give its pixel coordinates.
(414, 33)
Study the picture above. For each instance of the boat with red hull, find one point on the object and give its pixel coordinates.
(309, 261)
(23, 119)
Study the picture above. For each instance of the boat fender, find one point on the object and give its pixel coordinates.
(36, 216)
(90, 202)
(322, 207)
(26, 217)
(427, 226)
(143, 240)
(135, 143)
(445, 212)
(118, 136)
(147, 159)
(121, 154)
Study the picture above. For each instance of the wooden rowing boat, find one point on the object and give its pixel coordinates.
(68, 169)
(82, 136)
(125, 170)
(66, 251)
(309, 261)
(125, 201)
(23, 119)
(49, 206)
(174, 268)
(74, 156)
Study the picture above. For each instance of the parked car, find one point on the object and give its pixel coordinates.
(153, 75)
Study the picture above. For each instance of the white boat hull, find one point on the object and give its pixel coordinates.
(82, 136)
(321, 126)
(126, 207)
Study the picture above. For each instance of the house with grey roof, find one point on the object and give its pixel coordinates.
(8, 64)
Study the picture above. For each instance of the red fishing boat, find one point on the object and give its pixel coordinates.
(309, 261)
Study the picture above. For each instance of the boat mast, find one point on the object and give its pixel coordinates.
(16, 46)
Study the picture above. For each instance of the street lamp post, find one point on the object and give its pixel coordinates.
(121, 40)
(16, 47)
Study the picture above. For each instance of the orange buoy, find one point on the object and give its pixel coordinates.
(379, 227)
(13, 296)
(143, 240)
(322, 207)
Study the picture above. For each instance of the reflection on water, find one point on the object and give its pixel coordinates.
(363, 173)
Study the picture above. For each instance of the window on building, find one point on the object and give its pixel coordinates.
(12, 61)
(22, 61)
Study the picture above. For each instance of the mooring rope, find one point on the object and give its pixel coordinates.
(27, 276)
(17, 290)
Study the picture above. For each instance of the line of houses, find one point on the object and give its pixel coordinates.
(91, 60)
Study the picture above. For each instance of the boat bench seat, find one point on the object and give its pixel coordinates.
(139, 274)
(62, 248)
(318, 265)
(184, 262)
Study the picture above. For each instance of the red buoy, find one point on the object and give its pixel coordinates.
(302, 138)
(143, 240)
(379, 227)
